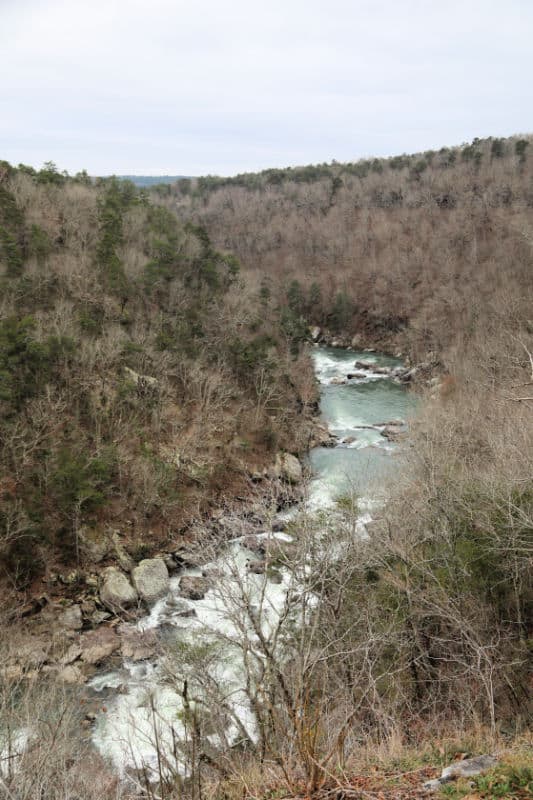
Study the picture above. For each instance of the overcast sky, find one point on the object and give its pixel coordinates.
(222, 86)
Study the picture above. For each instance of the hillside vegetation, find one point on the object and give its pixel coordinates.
(143, 376)
(427, 626)
(139, 380)
(414, 251)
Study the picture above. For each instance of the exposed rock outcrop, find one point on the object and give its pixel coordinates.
(140, 380)
(288, 468)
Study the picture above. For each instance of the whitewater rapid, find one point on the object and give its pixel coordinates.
(144, 707)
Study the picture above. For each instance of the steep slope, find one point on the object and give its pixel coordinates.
(410, 251)
(140, 382)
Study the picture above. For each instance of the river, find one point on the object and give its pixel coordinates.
(144, 722)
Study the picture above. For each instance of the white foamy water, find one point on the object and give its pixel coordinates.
(144, 725)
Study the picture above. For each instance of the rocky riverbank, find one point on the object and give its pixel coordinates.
(85, 618)
(428, 373)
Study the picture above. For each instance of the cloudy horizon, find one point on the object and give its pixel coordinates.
(129, 88)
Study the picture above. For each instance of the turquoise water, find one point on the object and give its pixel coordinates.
(361, 466)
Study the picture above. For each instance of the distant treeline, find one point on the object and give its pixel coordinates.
(416, 164)
(151, 180)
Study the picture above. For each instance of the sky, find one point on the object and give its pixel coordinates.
(195, 87)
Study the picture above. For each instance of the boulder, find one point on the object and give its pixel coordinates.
(257, 567)
(315, 333)
(150, 579)
(191, 555)
(393, 433)
(135, 644)
(72, 674)
(170, 562)
(364, 364)
(98, 645)
(357, 341)
(193, 587)
(321, 436)
(71, 618)
(463, 769)
(99, 616)
(72, 654)
(214, 573)
(357, 374)
(337, 381)
(288, 468)
(179, 608)
(408, 375)
(116, 592)
(255, 544)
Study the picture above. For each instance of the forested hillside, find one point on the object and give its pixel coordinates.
(140, 380)
(430, 623)
(411, 251)
(153, 363)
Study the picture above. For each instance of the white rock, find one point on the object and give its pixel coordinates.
(116, 591)
(71, 618)
(150, 579)
(288, 468)
(140, 380)
(462, 769)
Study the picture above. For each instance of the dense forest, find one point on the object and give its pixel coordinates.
(413, 250)
(140, 379)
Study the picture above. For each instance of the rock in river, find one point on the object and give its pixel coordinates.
(193, 587)
(98, 645)
(116, 591)
(136, 644)
(150, 579)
